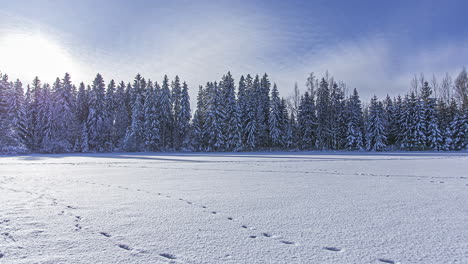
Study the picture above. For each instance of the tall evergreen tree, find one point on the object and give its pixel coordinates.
(134, 138)
(176, 104)
(307, 123)
(323, 116)
(276, 115)
(96, 115)
(165, 115)
(183, 119)
(122, 117)
(198, 123)
(354, 126)
(151, 125)
(376, 139)
(232, 129)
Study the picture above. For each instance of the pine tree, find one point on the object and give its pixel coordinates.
(198, 123)
(376, 139)
(307, 123)
(176, 103)
(134, 138)
(215, 116)
(231, 129)
(165, 115)
(122, 117)
(183, 119)
(17, 109)
(412, 136)
(354, 126)
(250, 122)
(47, 126)
(275, 121)
(109, 118)
(10, 139)
(458, 131)
(96, 115)
(390, 119)
(151, 125)
(243, 103)
(66, 108)
(337, 117)
(323, 116)
(262, 95)
(33, 131)
(433, 136)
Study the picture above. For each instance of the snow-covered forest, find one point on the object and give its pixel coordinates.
(247, 115)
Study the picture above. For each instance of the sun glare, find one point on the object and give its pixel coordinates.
(33, 55)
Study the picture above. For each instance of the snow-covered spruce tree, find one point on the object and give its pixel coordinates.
(242, 103)
(151, 125)
(10, 140)
(134, 139)
(396, 129)
(47, 124)
(33, 126)
(263, 110)
(433, 136)
(122, 117)
(250, 127)
(183, 119)
(375, 127)
(231, 132)
(67, 109)
(176, 104)
(354, 126)
(81, 115)
(198, 122)
(276, 116)
(165, 115)
(51, 106)
(307, 123)
(284, 122)
(215, 116)
(337, 117)
(412, 137)
(96, 115)
(109, 118)
(16, 109)
(458, 131)
(389, 111)
(138, 88)
(291, 131)
(323, 116)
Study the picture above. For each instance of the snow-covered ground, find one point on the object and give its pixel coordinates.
(235, 208)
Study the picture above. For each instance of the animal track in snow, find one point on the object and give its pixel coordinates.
(214, 212)
(244, 226)
(230, 218)
(333, 249)
(266, 234)
(1, 255)
(124, 246)
(287, 242)
(105, 234)
(253, 236)
(168, 256)
(389, 261)
(7, 235)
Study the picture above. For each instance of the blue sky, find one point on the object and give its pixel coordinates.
(375, 46)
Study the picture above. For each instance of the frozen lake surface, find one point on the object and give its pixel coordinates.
(299, 207)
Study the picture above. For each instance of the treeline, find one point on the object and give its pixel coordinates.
(148, 116)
